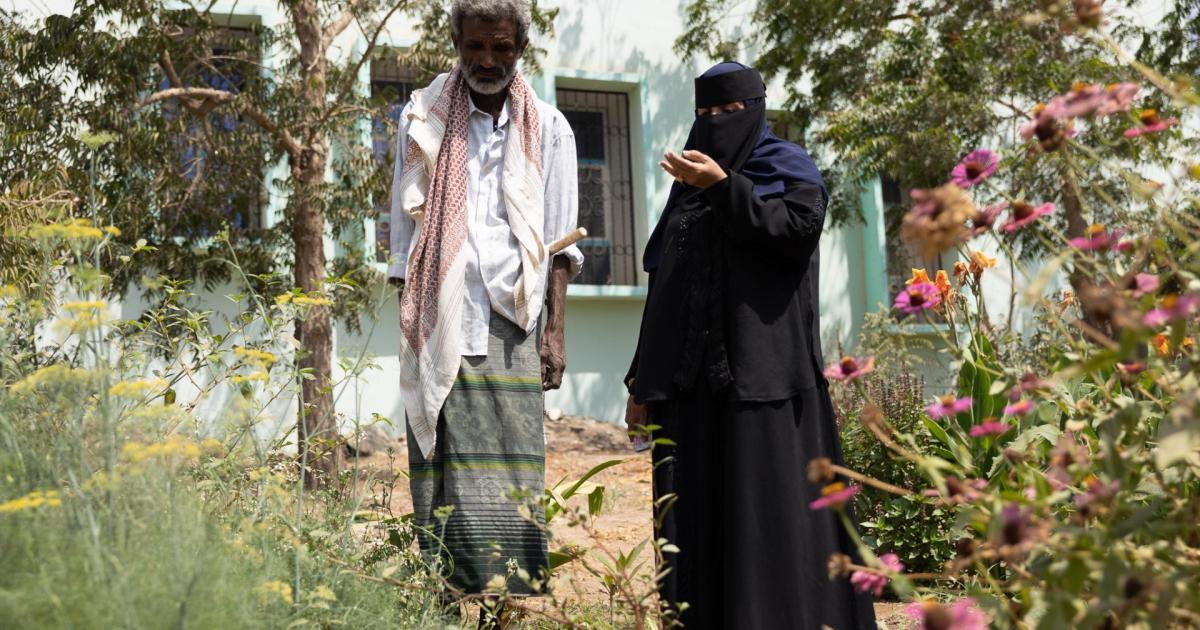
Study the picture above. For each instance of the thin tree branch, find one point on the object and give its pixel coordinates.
(336, 27)
(352, 76)
(217, 97)
(185, 93)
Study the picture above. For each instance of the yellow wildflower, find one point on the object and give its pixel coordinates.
(112, 230)
(56, 374)
(9, 292)
(273, 588)
(33, 500)
(255, 357)
(305, 300)
(260, 376)
(136, 389)
(80, 229)
(283, 299)
(84, 307)
(173, 449)
(325, 593)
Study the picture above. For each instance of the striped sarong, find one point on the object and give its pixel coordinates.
(489, 455)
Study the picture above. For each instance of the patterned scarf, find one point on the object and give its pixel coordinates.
(433, 190)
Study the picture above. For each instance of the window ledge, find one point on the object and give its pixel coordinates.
(921, 329)
(605, 292)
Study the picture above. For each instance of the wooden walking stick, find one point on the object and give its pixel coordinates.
(568, 240)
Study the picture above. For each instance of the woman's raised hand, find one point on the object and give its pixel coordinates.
(693, 168)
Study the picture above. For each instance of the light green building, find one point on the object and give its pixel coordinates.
(611, 69)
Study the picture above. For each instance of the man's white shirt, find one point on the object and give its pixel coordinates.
(493, 255)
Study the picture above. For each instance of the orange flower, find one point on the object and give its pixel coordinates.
(1162, 343)
(919, 276)
(942, 281)
(981, 261)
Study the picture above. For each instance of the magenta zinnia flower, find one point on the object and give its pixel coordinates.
(985, 219)
(1119, 98)
(918, 297)
(849, 368)
(1096, 491)
(1098, 237)
(990, 428)
(834, 495)
(1143, 284)
(1024, 213)
(1150, 123)
(963, 614)
(1172, 308)
(867, 582)
(973, 169)
(949, 406)
(1019, 408)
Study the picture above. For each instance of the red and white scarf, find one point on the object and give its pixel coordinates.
(433, 190)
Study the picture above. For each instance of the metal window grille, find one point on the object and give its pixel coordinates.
(600, 121)
(231, 64)
(394, 83)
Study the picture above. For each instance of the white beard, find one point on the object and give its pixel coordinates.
(489, 86)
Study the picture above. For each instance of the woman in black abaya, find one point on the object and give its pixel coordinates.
(729, 365)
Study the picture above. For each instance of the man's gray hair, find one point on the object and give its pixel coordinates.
(492, 11)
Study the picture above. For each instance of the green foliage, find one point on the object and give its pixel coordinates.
(906, 89)
(1064, 467)
(914, 530)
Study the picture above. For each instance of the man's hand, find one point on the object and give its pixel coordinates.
(554, 361)
(636, 418)
(554, 353)
(693, 168)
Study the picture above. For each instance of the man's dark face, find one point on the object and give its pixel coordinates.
(489, 53)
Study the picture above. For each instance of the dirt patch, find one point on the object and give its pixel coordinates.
(574, 446)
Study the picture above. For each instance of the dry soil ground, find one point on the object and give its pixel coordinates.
(574, 446)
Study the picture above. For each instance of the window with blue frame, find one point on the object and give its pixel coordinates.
(211, 148)
(600, 121)
(393, 83)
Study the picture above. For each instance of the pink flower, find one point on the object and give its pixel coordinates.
(1096, 491)
(949, 406)
(959, 491)
(985, 219)
(1023, 213)
(990, 428)
(1131, 368)
(1082, 100)
(1143, 284)
(867, 582)
(849, 368)
(1098, 237)
(963, 614)
(973, 169)
(834, 495)
(1150, 123)
(1019, 408)
(918, 297)
(1029, 383)
(1172, 308)
(1120, 98)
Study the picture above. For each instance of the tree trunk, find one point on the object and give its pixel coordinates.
(316, 423)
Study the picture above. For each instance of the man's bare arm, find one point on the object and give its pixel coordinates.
(554, 361)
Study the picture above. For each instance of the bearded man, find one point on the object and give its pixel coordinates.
(485, 180)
